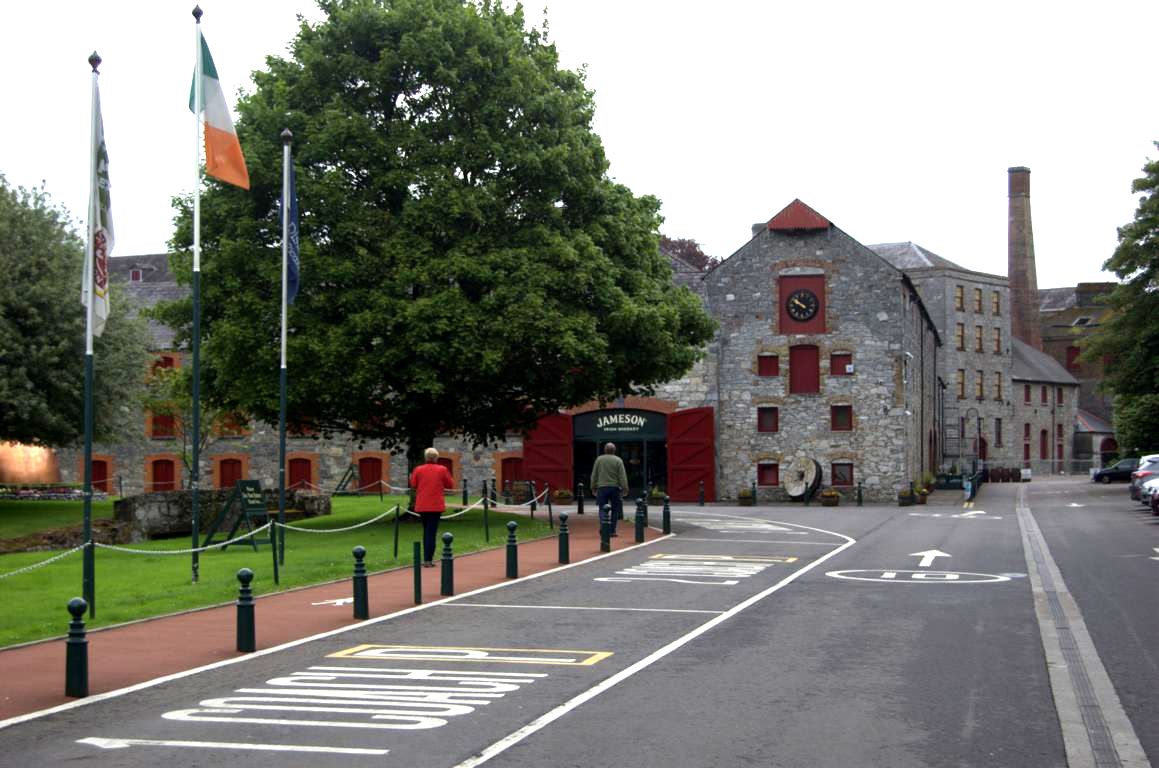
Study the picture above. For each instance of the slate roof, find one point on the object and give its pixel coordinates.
(1030, 364)
(1085, 421)
(156, 284)
(906, 256)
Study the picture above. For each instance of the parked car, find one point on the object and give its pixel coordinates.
(1120, 470)
(1148, 468)
(1149, 494)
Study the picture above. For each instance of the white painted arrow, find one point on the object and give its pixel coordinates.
(103, 743)
(972, 512)
(336, 601)
(927, 557)
(1156, 552)
(1072, 504)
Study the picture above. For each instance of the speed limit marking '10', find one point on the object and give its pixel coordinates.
(896, 576)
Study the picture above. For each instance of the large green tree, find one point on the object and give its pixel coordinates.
(1128, 342)
(42, 330)
(467, 264)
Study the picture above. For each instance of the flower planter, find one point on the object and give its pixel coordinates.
(905, 500)
(920, 498)
(745, 501)
(830, 501)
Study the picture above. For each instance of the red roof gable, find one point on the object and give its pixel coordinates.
(798, 216)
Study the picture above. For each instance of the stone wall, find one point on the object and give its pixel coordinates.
(162, 515)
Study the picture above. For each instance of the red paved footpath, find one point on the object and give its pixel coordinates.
(32, 676)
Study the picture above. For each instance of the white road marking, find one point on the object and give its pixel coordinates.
(893, 576)
(577, 608)
(1156, 552)
(761, 541)
(336, 601)
(972, 512)
(928, 556)
(104, 743)
(551, 716)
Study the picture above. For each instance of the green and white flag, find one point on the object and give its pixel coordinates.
(100, 234)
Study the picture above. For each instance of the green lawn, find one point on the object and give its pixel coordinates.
(20, 518)
(131, 586)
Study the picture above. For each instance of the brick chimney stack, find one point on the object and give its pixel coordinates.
(1020, 262)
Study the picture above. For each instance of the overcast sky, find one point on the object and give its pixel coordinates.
(895, 120)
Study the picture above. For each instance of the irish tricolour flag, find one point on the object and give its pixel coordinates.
(223, 157)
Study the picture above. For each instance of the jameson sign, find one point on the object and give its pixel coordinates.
(620, 423)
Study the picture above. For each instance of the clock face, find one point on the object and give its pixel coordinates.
(801, 305)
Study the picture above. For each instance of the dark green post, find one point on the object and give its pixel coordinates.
(361, 596)
(666, 517)
(534, 506)
(512, 551)
(76, 667)
(418, 566)
(547, 498)
(448, 565)
(278, 549)
(754, 490)
(702, 493)
(564, 550)
(397, 520)
(605, 528)
(494, 492)
(486, 519)
(465, 493)
(507, 492)
(246, 640)
(639, 521)
(859, 493)
(579, 498)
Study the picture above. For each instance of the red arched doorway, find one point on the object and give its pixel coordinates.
(164, 475)
(369, 474)
(100, 475)
(300, 474)
(229, 472)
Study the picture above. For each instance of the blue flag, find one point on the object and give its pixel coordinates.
(292, 239)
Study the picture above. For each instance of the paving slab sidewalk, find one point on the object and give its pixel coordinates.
(32, 677)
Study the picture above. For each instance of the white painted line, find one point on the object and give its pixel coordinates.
(295, 643)
(928, 556)
(546, 719)
(761, 541)
(103, 743)
(576, 608)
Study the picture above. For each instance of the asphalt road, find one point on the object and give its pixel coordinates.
(771, 636)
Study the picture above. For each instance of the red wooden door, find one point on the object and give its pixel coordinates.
(369, 474)
(512, 468)
(547, 452)
(692, 454)
(100, 475)
(229, 472)
(163, 475)
(804, 369)
(300, 475)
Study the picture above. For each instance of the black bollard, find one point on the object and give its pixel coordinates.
(507, 492)
(397, 520)
(579, 499)
(645, 499)
(76, 661)
(531, 486)
(486, 517)
(859, 493)
(361, 596)
(754, 490)
(246, 640)
(418, 567)
(448, 566)
(702, 493)
(465, 493)
(512, 551)
(639, 521)
(564, 550)
(605, 528)
(547, 499)
(666, 517)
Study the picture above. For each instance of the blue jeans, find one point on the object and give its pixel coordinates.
(610, 495)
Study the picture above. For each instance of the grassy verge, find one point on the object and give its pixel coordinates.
(20, 518)
(131, 586)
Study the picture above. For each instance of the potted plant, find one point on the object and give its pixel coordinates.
(656, 495)
(830, 497)
(744, 497)
(905, 497)
(928, 481)
(920, 496)
(561, 496)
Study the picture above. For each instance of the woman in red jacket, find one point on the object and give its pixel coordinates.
(429, 481)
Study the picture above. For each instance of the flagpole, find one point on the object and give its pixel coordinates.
(88, 569)
(195, 470)
(280, 543)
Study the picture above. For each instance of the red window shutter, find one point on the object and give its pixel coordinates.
(164, 425)
(804, 370)
(1043, 447)
(163, 475)
(1058, 395)
(1026, 393)
(768, 474)
(768, 365)
(300, 473)
(229, 472)
(1026, 451)
(840, 363)
(1043, 398)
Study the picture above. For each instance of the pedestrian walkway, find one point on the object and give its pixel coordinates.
(34, 675)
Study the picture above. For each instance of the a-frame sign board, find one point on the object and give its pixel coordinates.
(251, 509)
